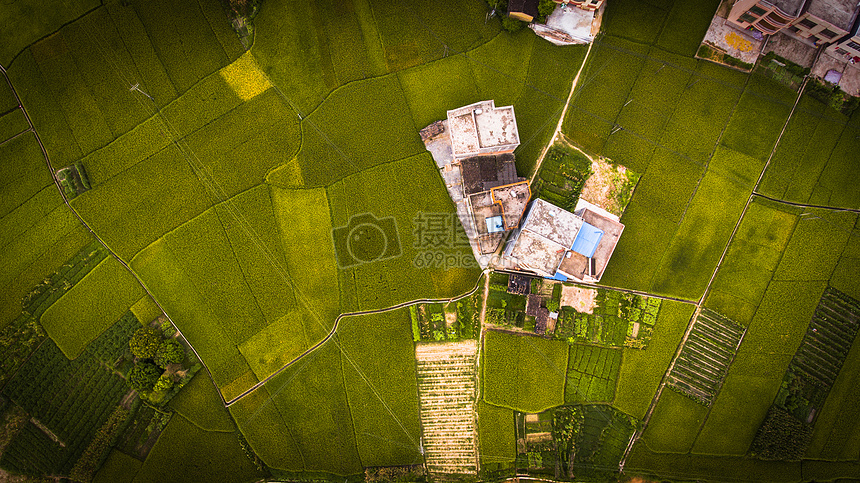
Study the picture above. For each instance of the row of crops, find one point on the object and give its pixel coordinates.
(446, 389)
(829, 337)
(69, 400)
(705, 357)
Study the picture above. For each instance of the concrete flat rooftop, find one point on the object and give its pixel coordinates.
(537, 253)
(553, 223)
(513, 199)
(482, 128)
(838, 12)
(791, 7)
(496, 127)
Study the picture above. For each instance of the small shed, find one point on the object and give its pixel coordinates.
(525, 10)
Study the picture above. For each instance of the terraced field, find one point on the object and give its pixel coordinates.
(829, 338)
(705, 357)
(446, 389)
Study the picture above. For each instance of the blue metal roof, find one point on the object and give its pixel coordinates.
(587, 239)
(495, 224)
(559, 276)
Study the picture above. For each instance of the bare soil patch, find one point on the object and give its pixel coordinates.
(604, 187)
(581, 299)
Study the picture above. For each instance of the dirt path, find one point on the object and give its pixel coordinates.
(354, 314)
(563, 113)
(483, 313)
(80, 219)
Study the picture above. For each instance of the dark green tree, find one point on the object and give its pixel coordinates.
(546, 7)
(511, 24)
(145, 342)
(169, 352)
(143, 376)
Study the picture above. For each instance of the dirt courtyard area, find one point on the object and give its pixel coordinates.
(581, 299)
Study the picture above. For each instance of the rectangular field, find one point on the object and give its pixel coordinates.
(91, 306)
(380, 379)
(675, 423)
(642, 370)
(705, 356)
(591, 374)
(523, 372)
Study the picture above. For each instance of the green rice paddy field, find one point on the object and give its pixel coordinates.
(230, 183)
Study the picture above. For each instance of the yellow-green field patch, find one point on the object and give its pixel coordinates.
(245, 77)
(91, 306)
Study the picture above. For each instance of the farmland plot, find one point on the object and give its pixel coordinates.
(829, 337)
(497, 437)
(591, 374)
(446, 389)
(787, 430)
(616, 320)
(705, 357)
(70, 398)
(522, 372)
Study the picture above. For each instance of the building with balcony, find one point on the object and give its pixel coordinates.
(765, 17)
(848, 47)
(583, 4)
(819, 22)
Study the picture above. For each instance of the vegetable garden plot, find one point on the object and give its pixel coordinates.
(705, 356)
(829, 337)
(446, 391)
(617, 320)
(573, 441)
